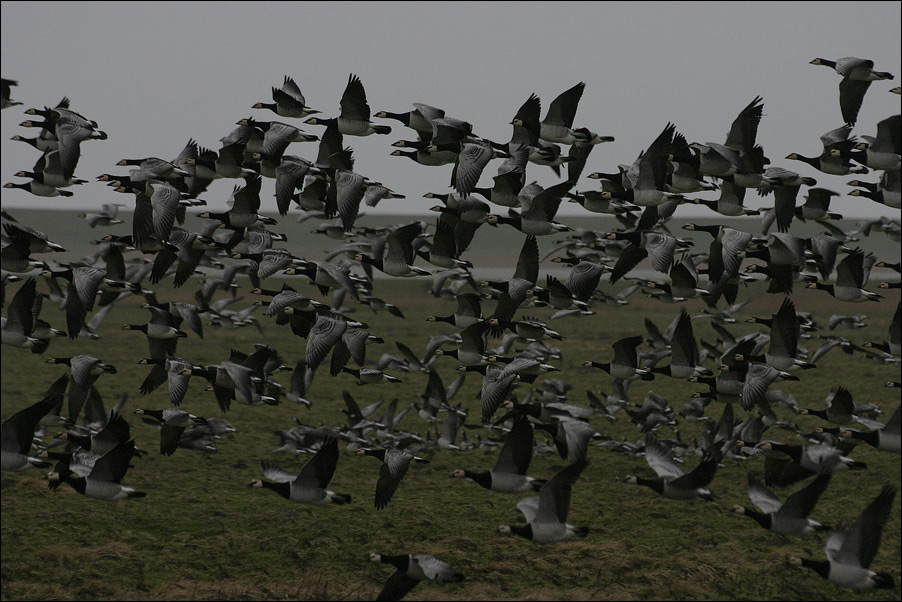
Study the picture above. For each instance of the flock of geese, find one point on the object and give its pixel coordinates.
(642, 196)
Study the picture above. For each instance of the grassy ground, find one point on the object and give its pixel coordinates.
(202, 533)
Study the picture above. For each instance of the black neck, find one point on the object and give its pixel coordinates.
(525, 531)
(483, 479)
(821, 567)
(283, 489)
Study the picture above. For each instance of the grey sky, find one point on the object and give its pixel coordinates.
(155, 74)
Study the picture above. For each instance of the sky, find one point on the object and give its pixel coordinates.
(154, 75)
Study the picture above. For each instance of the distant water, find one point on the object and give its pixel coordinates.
(493, 252)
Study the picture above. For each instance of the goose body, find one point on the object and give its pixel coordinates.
(509, 473)
(857, 75)
(311, 485)
(850, 552)
(789, 517)
(411, 569)
(671, 482)
(546, 513)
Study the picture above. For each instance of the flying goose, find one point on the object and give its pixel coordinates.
(671, 482)
(173, 423)
(354, 119)
(311, 485)
(851, 551)
(419, 119)
(882, 152)
(558, 123)
(819, 459)
(857, 75)
(104, 482)
(836, 156)
(509, 473)
(17, 436)
(546, 513)
(650, 188)
(288, 101)
(789, 517)
(395, 463)
(851, 277)
(625, 364)
(411, 569)
(885, 439)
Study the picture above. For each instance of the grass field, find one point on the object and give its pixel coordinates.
(202, 533)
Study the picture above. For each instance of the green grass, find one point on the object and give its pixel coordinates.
(202, 533)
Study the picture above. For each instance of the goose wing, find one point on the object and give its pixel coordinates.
(319, 470)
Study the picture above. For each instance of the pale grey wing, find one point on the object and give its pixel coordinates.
(274, 473)
(323, 336)
(87, 281)
(578, 434)
(733, 241)
(519, 365)
(429, 112)
(189, 314)
(823, 455)
(471, 162)
(81, 369)
(178, 382)
(289, 176)
(728, 153)
(282, 301)
(867, 422)
(833, 547)
(350, 189)
(763, 498)
(846, 66)
(584, 279)
(390, 475)
(660, 249)
(758, 380)
(277, 138)
(840, 134)
(731, 194)
(70, 136)
(529, 507)
(451, 425)
(661, 462)
(165, 202)
(495, 389)
(526, 196)
(341, 276)
(355, 340)
(241, 376)
(433, 568)
(273, 262)
(291, 88)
